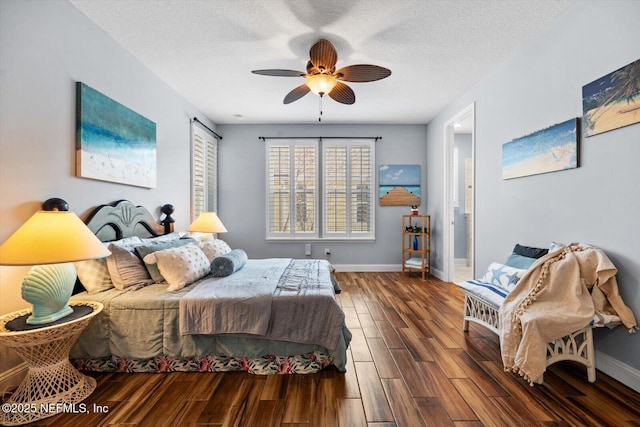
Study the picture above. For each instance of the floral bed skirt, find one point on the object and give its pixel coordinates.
(267, 365)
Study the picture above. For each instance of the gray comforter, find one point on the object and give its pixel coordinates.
(279, 299)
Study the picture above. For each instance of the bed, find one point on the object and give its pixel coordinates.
(273, 316)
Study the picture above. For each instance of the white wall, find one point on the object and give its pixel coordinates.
(597, 203)
(46, 46)
(242, 203)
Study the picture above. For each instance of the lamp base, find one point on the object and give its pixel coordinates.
(48, 288)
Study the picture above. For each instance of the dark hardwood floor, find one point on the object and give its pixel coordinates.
(410, 364)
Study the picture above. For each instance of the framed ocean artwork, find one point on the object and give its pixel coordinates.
(612, 101)
(113, 143)
(399, 185)
(548, 150)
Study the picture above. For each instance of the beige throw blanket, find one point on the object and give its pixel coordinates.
(558, 295)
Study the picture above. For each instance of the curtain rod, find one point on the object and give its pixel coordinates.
(264, 138)
(195, 119)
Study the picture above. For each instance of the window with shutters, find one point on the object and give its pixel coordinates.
(204, 171)
(320, 189)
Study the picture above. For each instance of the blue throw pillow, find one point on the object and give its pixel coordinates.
(519, 261)
(226, 264)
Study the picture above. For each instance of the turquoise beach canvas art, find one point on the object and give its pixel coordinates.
(548, 150)
(113, 143)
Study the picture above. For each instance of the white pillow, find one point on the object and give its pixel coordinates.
(180, 266)
(214, 247)
(503, 276)
(94, 275)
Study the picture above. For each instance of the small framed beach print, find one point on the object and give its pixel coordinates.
(612, 101)
(548, 150)
(113, 143)
(399, 185)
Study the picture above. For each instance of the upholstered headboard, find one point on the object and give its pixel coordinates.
(124, 219)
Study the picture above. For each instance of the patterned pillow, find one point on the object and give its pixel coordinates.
(94, 275)
(125, 268)
(213, 248)
(144, 250)
(503, 276)
(180, 266)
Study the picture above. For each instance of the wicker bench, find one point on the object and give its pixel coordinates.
(481, 304)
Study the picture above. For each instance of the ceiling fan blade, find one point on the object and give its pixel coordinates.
(279, 73)
(362, 73)
(323, 56)
(343, 94)
(296, 94)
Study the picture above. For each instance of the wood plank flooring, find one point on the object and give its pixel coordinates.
(410, 364)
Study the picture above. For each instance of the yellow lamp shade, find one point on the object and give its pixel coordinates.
(51, 237)
(207, 222)
(50, 241)
(321, 84)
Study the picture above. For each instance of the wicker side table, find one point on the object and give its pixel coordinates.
(51, 380)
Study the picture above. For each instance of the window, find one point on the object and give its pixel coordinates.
(204, 171)
(331, 199)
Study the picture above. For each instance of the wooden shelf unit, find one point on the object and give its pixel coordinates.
(416, 259)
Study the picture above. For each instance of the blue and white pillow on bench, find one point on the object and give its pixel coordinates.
(503, 276)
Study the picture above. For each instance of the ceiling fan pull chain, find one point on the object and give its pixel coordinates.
(320, 109)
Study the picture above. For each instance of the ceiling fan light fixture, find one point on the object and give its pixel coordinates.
(321, 84)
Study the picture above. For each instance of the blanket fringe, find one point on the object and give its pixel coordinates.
(517, 370)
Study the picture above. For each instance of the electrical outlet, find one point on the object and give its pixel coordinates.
(327, 251)
(307, 249)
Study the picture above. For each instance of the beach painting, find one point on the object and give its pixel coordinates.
(399, 185)
(113, 143)
(548, 150)
(612, 101)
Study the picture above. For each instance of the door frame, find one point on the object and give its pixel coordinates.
(448, 215)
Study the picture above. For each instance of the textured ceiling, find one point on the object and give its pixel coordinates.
(205, 50)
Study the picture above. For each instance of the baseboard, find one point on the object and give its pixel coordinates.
(622, 372)
(12, 377)
(363, 268)
(378, 268)
(460, 261)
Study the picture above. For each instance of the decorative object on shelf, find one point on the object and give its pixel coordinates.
(548, 150)
(55, 238)
(414, 210)
(399, 185)
(612, 101)
(113, 143)
(416, 244)
(207, 222)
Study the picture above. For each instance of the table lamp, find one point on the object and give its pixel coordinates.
(207, 222)
(50, 241)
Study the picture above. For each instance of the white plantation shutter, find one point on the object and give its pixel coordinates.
(297, 182)
(291, 189)
(204, 170)
(348, 189)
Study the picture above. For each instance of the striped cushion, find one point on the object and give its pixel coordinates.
(494, 295)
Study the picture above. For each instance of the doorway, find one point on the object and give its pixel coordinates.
(459, 181)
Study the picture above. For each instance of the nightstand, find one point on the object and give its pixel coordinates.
(52, 384)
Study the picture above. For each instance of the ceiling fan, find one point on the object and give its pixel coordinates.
(322, 78)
